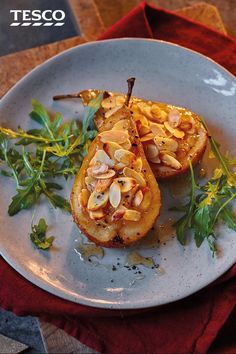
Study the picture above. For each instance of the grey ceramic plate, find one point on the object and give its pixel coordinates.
(164, 72)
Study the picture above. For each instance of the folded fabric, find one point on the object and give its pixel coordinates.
(187, 326)
(146, 21)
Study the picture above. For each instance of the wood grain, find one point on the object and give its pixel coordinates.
(14, 66)
(204, 13)
(57, 341)
(88, 18)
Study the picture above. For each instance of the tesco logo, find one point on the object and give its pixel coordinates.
(37, 18)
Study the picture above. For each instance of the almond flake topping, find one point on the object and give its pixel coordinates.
(147, 137)
(103, 184)
(117, 136)
(171, 161)
(126, 183)
(158, 114)
(174, 118)
(154, 159)
(109, 102)
(118, 214)
(102, 157)
(124, 156)
(108, 174)
(128, 172)
(97, 200)
(97, 214)
(138, 198)
(111, 148)
(123, 124)
(151, 151)
(126, 145)
(158, 129)
(174, 131)
(112, 111)
(90, 183)
(166, 143)
(132, 215)
(137, 164)
(115, 194)
(98, 168)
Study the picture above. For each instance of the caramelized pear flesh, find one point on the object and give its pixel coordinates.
(115, 199)
(170, 135)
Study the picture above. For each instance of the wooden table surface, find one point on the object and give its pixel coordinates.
(93, 17)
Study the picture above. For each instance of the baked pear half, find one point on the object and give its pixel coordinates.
(115, 198)
(170, 135)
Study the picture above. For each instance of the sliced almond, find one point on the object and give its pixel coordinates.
(119, 166)
(166, 143)
(158, 129)
(102, 157)
(186, 125)
(108, 174)
(174, 118)
(115, 194)
(123, 124)
(142, 129)
(124, 156)
(138, 198)
(84, 197)
(155, 159)
(128, 172)
(137, 164)
(98, 168)
(96, 215)
(112, 111)
(118, 215)
(158, 114)
(132, 215)
(193, 129)
(171, 161)
(140, 118)
(126, 145)
(111, 147)
(147, 137)
(103, 184)
(168, 152)
(90, 183)
(109, 102)
(151, 151)
(125, 183)
(117, 136)
(147, 198)
(120, 100)
(174, 131)
(145, 109)
(97, 200)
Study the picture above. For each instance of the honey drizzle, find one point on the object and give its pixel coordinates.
(134, 258)
(87, 250)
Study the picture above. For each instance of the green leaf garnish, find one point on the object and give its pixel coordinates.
(38, 235)
(209, 203)
(55, 149)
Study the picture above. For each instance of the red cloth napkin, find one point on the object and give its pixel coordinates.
(192, 325)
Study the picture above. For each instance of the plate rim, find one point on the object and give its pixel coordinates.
(125, 39)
